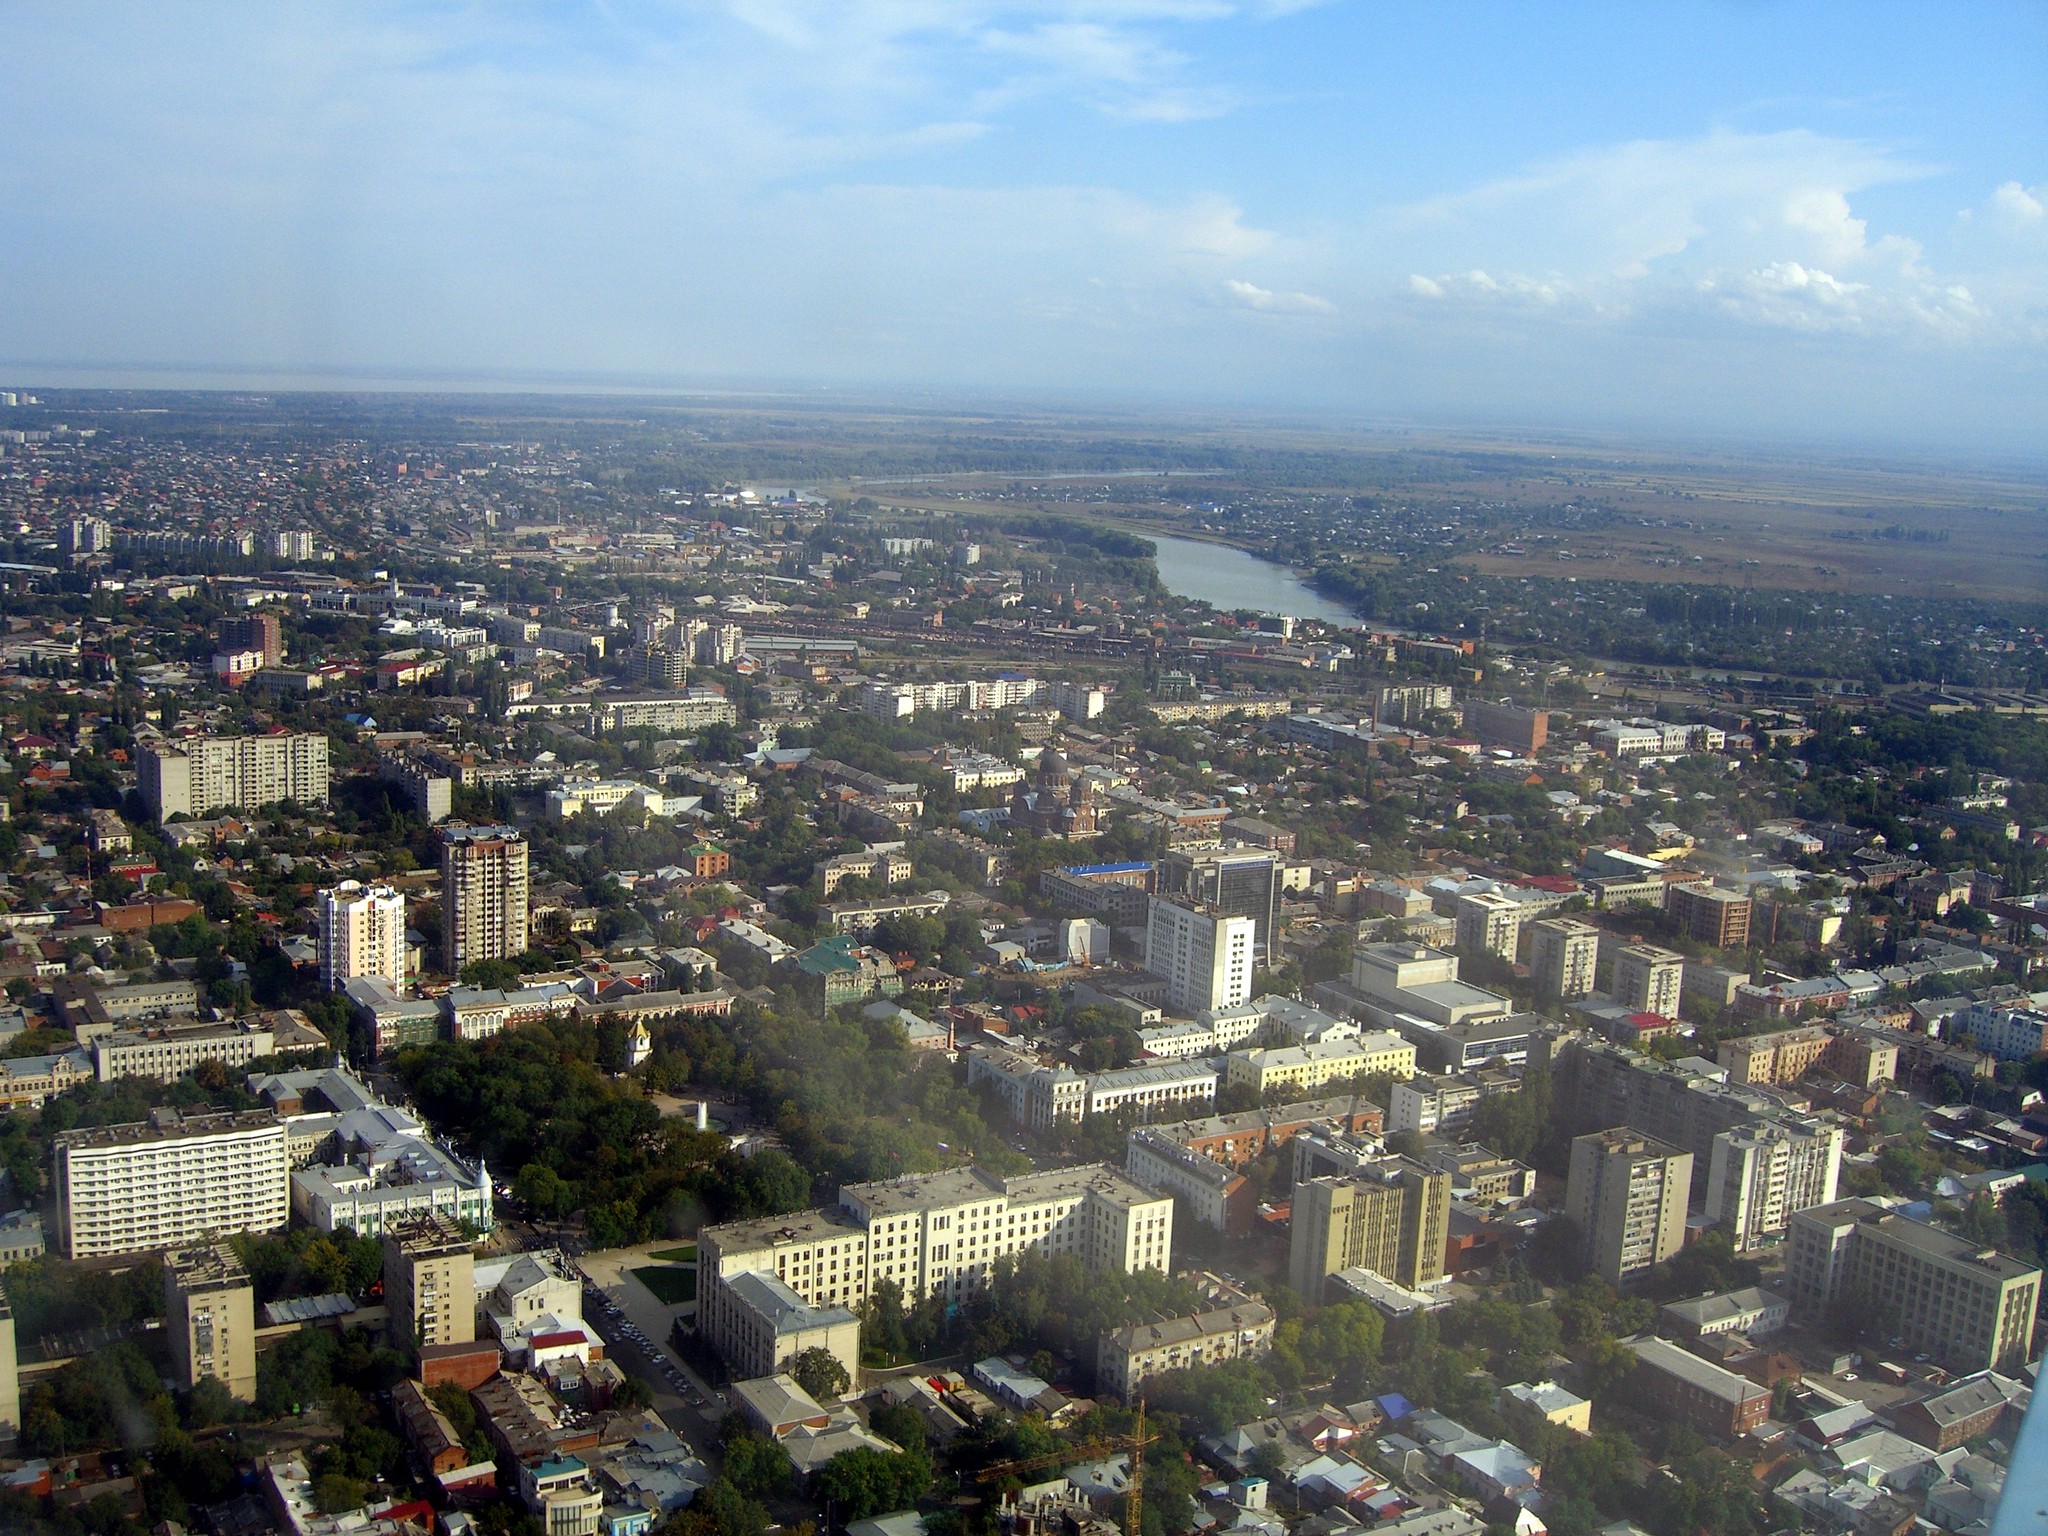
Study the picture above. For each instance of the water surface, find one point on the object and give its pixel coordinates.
(1230, 578)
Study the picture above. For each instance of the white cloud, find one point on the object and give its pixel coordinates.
(2017, 203)
(1255, 297)
(1757, 229)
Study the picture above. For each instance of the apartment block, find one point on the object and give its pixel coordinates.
(252, 632)
(1709, 914)
(1971, 1308)
(1235, 880)
(1649, 979)
(1685, 1103)
(484, 895)
(1204, 955)
(362, 933)
(1503, 725)
(932, 1235)
(1306, 1067)
(1408, 703)
(1392, 1218)
(1564, 953)
(1434, 1106)
(661, 711)
(170, 1181)
(1758, 1177)
(429, 1283)
(210, 1318)
(2010, 1034)
(203, 773)
(1489, 922)
(1128, 1357)
(1782, 1057)
(1627, 1195)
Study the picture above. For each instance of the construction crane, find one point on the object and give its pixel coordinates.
(1091, 1450)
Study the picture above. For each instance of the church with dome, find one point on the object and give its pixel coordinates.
(1053, 803)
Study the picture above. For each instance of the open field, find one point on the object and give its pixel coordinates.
(1908, 529)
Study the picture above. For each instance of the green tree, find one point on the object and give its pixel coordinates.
(864, 1482)
(818, 1371)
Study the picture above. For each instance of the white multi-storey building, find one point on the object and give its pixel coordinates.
(1649, 978)
(1204, 956)
(1564, 953)
(1490, 922)
(202, 773)
(1759, 1176)
(170, 1181)
(933, 1234)
(362, 933)
(168, 1052)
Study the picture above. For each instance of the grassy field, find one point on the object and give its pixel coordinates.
(670, 1283)
(1910, 529)
(687, 1254)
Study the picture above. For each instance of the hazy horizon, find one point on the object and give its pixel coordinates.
(1737, 223)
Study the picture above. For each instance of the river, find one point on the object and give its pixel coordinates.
(1230, 578)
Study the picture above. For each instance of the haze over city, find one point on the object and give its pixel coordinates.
(1796, 222)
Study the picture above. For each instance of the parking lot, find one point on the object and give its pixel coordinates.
(635, 1325)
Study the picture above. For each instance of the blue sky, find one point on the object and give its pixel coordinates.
(1798, 222)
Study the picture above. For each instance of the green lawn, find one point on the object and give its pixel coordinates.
(671, 1283)
(687, 1254)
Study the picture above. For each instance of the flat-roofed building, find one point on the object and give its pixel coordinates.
(1489, 922)
(1306, 1067)
(362, 933)
(1523, 731)
(1129, 1356)
(484, 895)
(1709, 914)
(1413, 978)
(1564, 954)
(1758, 1176)
(429, 1283)
(1391, 1217)
(1649, 979)
(197, 774)
(168, 1051)
(1784, 1056)
(1971, 1308)
(210, 1318)
(1627, 1195)
(937, 1234)
(170, 1181)
(1205, 955)
(1687, 1103)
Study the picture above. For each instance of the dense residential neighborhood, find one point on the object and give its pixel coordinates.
(554, 989)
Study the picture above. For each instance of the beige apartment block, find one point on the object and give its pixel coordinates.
(210, 1317)
(1392, 1217)
(1627, 1195)
(429, 1283)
